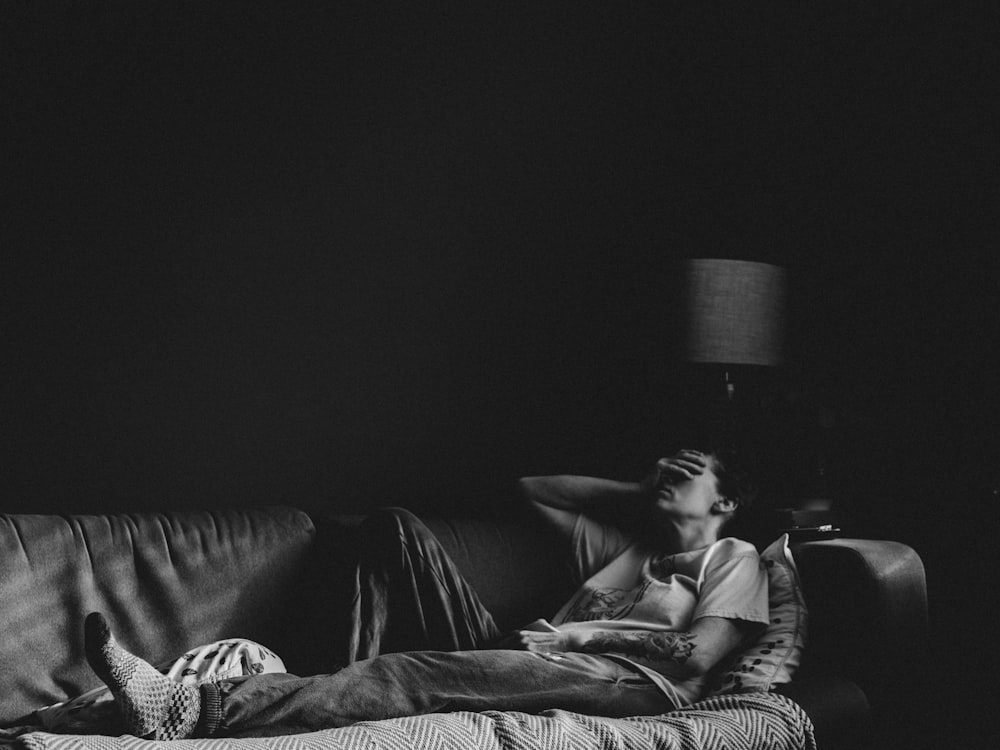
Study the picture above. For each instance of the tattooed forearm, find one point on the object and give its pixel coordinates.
(675, 647)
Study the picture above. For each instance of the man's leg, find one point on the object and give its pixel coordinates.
(410, 595)
(389, 686)
(410, 684)
(152, 705)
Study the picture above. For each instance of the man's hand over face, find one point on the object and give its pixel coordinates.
(683, 465)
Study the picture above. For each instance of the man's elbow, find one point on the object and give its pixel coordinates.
(695, 667)
(532, 491)
(701, 662)
(524, 488)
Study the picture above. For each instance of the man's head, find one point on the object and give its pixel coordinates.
(733, 481)
(704, 488)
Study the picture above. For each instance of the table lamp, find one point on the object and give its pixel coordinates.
(733, 319)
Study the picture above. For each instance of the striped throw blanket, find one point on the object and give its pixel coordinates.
(751, 721)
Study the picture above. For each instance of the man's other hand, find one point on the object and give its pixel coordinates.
(543, 642)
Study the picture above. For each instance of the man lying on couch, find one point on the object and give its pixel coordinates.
(638, 638)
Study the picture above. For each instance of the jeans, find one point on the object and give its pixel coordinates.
(421, 645)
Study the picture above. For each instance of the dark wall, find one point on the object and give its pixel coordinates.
(339, 257)
(325, 257)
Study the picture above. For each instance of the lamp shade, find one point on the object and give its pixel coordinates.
(734, 312)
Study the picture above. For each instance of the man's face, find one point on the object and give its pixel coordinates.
(681, 497)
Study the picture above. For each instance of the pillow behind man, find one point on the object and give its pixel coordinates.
(772, 656)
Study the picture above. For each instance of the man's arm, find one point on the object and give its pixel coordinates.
(681, 654)
(560, 499)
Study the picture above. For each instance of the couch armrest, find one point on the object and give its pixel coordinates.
(867, 603)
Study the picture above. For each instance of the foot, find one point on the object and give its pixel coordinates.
(152, 705)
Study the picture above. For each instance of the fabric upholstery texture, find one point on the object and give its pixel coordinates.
(516, 566)
(165, 582)
(867, 614)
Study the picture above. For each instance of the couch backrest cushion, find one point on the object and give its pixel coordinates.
(520, 569)
(166, 582)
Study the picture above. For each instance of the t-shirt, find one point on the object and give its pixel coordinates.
(629, 587)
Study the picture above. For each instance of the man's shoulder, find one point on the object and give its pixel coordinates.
(730, 546)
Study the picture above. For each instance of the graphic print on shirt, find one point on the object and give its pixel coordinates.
(607, 604)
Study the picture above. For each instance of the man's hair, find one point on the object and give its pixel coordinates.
(734, 480)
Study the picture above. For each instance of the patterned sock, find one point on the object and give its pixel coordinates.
(152, 705)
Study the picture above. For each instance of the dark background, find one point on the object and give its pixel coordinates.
(347, 255)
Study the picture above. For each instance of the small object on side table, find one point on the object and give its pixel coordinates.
(806, 525)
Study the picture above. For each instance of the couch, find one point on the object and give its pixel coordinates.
(285, 578)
